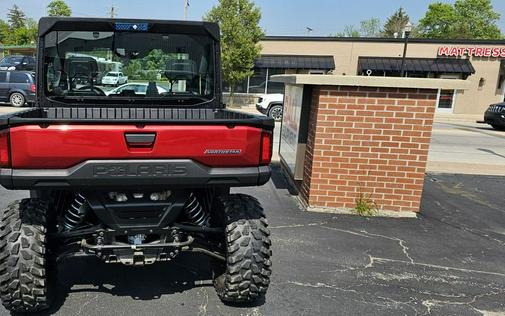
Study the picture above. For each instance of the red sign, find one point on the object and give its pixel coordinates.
(456, 51)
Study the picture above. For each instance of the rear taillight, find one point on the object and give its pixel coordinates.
(5, 160)
(266, 148)
(33, 88)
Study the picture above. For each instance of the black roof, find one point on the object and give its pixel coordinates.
(424, 65)
(47, 24)
(315, 62)
(383, 40)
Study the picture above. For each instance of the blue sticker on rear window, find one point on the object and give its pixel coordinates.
(139, 27)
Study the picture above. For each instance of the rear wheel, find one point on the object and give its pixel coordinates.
(276, 112)
(24, 262)
(247, 271)
(17, 99)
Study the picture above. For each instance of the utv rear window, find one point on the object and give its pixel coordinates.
(19, 77)
(79, 64)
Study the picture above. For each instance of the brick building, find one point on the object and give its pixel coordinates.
(347, 136)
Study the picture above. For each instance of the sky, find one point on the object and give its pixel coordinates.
(280, 17)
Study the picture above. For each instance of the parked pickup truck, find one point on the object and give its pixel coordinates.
(132, 178)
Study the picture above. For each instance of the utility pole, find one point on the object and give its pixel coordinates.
(112, 12)
(186, 6)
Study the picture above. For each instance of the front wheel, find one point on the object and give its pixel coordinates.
(276, 113)
(25, 272)
(247, 271)
(17, 99)
(498, 127)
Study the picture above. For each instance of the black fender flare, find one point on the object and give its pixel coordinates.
(273, 104)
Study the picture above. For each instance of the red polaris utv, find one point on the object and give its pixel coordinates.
(135, 174)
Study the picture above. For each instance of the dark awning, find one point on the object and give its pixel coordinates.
(419, 65)
(295, 62)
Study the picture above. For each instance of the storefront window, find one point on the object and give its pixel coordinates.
(446, 99)
(275, 87)
(258, 81)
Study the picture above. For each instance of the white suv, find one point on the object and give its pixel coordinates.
(271, 105)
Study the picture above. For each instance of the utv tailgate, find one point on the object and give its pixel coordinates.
(144, 148)
(64, 146)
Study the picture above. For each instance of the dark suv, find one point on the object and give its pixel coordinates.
(17, 87)
(18, 62)
(495, 116)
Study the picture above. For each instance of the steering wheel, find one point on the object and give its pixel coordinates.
(96, 90)
(78, 75)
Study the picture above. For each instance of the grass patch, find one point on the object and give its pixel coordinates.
(365, 205)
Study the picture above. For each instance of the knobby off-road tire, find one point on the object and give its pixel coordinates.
(25, 270)
(248, 267)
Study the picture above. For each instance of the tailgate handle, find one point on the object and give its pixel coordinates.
(140, 139)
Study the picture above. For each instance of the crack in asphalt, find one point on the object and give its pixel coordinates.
(361, 296)
(320, 285)
(433, 302)
(364, 233)
(321, 223)
(202, 308)
(428, 304)
(476, 232)
(81, 308)
(434, 266)
(400, 241)
(346, 231)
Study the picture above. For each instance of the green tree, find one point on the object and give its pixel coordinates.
(25, 35)
(396, 23)
(368, 28)
(58, 8)
(466, 19)
(16, 18)
(4, 31)
(240, 36)
(349, 31)
(133, 70)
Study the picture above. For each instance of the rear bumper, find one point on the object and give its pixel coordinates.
(30, 97)
(133, 174)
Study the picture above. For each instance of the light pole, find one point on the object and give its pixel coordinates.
(407, 30)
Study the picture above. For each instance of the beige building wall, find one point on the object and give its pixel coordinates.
(347, 53)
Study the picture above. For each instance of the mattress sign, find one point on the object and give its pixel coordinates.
(461, 51)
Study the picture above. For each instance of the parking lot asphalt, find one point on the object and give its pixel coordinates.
(449, 261)
(466, 147)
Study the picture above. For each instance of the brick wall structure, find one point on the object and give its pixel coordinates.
(366, 141)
